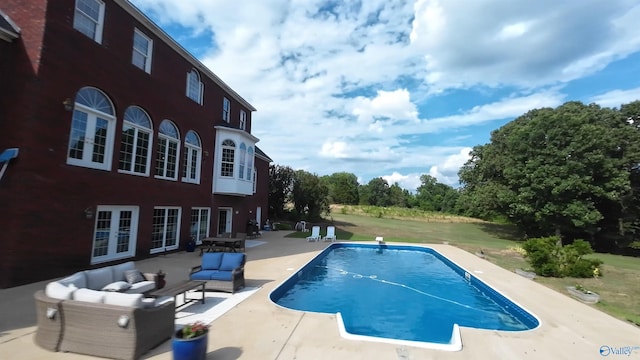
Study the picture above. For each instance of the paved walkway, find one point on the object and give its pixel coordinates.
(256, 329)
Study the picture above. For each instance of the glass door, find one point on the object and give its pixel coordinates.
(115, 233)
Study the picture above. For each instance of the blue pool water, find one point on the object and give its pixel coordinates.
(406, 293)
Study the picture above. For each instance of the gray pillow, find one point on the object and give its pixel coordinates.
(133, 276)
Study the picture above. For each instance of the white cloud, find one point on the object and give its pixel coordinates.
(409, 182)
(615, 98)
(447, 171)
(348, 88)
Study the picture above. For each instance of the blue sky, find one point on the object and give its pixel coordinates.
(397, 89)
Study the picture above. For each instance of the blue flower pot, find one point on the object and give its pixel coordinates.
(189, 349)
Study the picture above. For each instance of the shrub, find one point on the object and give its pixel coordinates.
(548, 258)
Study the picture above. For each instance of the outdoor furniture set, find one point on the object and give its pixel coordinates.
(315, 234)
(118, 312)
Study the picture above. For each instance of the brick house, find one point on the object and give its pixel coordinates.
(128, 146)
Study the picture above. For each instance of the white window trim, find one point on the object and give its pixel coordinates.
(200, 209)
(188, 150)
(112, 255)
(174, 140)
(108, 147)
(164, 241)
(139, 129)
(99, 25)
(200, 95)
(243, 120)
(148, 56)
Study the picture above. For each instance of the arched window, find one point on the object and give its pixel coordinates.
(167, 151)
(195, 88)
(192, 158)
(135, 148)
(92, 130)
(249, 163)
(228, 154)
(243, 151)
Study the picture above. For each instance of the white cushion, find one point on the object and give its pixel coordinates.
(118, 270)
(117, 286)
(141, 287)
(116, 298)
(98, 278)
(89, 295)
(78, 279)
(57, 290)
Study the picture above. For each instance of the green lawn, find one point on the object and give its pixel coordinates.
(618, 287)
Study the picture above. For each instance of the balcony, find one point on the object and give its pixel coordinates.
(232, 186)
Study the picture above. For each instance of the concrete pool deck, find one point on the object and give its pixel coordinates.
(258, 329)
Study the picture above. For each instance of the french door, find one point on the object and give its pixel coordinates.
(115, 233)
(224, 220)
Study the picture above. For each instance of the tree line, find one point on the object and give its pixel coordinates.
(571, 172)
(300, 195)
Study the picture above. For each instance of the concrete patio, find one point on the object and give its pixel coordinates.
(258, 329)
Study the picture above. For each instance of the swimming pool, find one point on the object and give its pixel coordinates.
(401, 294)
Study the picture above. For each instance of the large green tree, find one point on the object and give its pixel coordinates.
(343, 188)
(280, 187)
(309, 196)
(434, 196)
(561, 171)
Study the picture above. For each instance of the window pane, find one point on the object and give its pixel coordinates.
(142, 151)
(124, 231)
(172, 159)
(160, 156)
(103, 230)
(100, 141)
(126, 148)
(157, 234)
(78, 133)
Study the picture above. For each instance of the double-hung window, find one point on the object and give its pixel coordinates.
(88, 18)
(142, 50)
(167, 151)
(226, 109)
(243, 120)
(135, 148)
(195, 88)
(192, 158)
(228, 157)
(92, 130)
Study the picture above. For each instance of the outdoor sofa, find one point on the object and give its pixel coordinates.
(222, 271)
(94, 312)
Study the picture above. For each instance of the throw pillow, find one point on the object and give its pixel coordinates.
(133, 276)
(117, 286)
(57, 290)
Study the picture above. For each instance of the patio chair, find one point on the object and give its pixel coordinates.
(331, 234)
(315, 234)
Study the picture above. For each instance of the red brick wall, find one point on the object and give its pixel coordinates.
(42, 199)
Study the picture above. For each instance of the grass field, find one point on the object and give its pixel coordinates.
(618, 287)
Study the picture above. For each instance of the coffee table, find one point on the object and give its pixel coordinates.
(182, 287)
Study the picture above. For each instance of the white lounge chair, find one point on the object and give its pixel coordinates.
(331, 234)
(315, 234)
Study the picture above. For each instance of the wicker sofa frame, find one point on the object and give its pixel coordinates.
(112, 331)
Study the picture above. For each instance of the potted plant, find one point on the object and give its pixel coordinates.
(582, 294)
(190, 342)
